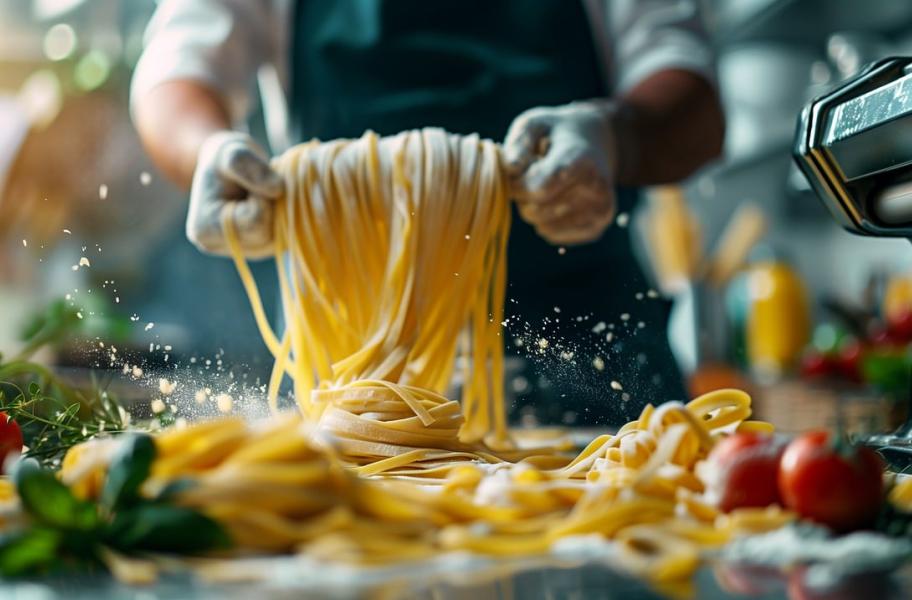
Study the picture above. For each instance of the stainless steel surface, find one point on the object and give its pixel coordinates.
(894, 205)
(589, 581)
(870, 110)
(855, 142)
(698, 328)
(872, 133)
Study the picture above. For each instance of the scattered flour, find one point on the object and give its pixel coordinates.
(831, 557)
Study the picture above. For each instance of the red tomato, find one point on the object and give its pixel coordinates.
(900, 326)
(10, 438)
(815, 364)
(849, 361)
(829, 481)
(883, 337)
(879, 336)
(747, 465)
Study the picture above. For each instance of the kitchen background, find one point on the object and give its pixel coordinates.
(84, 217)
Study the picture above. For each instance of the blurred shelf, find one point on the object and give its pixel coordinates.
(806, 22)
(795, 405)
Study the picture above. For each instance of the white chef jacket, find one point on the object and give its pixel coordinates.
(233, 45)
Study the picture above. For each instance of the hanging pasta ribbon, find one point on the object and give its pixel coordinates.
(392, 259)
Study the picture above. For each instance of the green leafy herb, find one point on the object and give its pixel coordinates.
(166, 528)
(65, 529)
(129, 468)
(55, 323)
(60, 323)
(170, 491)
(28, 551)
(53, 415)
(50, 502)
(888, 370)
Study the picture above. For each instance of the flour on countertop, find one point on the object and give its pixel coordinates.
(831, 557)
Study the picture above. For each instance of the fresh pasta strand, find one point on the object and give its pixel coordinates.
(391, 257)
(277, 486)
(390, 251)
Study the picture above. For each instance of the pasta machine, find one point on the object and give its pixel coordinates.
(854, 145)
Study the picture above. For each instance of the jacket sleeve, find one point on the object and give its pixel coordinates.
(647, 36)
(220, 43)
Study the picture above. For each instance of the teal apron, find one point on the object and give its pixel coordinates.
(472, 67)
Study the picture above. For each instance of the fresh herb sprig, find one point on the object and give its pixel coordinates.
(54, 415)
(64, 530)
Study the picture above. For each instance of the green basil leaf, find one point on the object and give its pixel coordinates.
(166, 528)
(129, 468)
(888, 371)
(172, 489)
(28, 551)
(48, 501)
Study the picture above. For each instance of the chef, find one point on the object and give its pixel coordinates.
(592, 99)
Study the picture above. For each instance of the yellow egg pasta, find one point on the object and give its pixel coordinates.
(282, 485)
(391, 255)
(391, 258)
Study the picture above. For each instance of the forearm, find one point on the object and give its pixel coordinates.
(173, 120)
(666, 128)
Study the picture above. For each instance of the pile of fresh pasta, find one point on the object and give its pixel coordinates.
(391, 259)
(283, 485)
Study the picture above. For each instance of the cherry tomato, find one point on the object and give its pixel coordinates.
(883, 337)
(747, 465)
(825, 479)
(815, 364)
(10, 438)
(849, 361)
(900, 326)
(879, 337)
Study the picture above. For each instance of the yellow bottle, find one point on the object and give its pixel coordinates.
(779, 320)
(897, 297)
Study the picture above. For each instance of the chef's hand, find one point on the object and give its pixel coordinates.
(233, 171)
(562, 163)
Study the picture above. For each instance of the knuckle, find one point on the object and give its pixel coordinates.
(597, 225)
(536, 115)
(204, 236)
(530, 124)
(560, 209)
(587, 223)
(254, 217)
(601, 187)
(573, 163)
(548, 234)
(193, 235)
(529, 213)
(239, 157)
(579, 161)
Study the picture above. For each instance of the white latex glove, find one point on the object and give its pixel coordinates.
(233, 169)
(562, 162)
